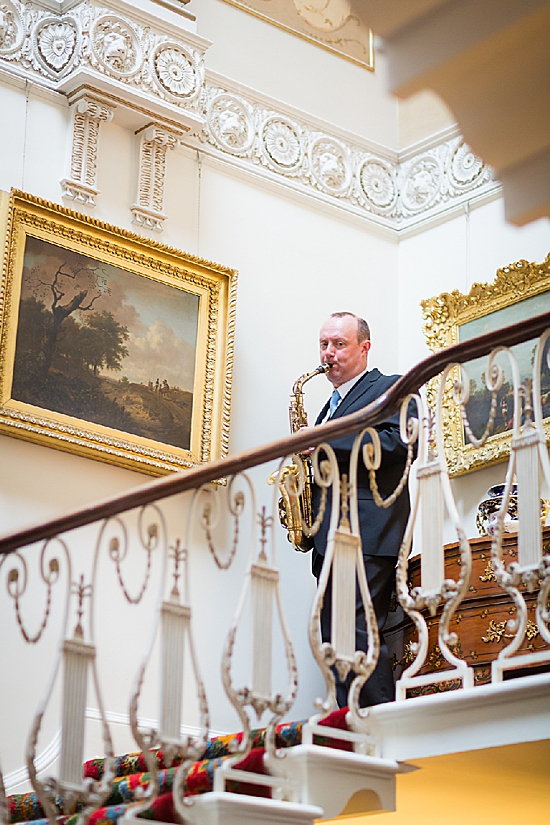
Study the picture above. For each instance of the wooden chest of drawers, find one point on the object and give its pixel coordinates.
(480, 622)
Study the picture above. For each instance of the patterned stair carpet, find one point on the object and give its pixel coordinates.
(131, 774)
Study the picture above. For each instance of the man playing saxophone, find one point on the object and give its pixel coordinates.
(344, 343)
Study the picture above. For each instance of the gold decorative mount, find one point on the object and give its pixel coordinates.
(512, 283)
(127, 235)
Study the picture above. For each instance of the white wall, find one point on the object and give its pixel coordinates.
(295, 267)
(422, 115)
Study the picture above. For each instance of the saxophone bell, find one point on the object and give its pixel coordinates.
(295, 508)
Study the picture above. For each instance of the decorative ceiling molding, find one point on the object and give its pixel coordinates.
(118, 49)
(128, 57)
(257, 98)
(279, 143)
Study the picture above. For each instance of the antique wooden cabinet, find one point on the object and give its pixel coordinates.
(480, 622)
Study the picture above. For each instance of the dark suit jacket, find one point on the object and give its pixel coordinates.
(381, 530)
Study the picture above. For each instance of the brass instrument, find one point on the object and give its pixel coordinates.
(295, 509)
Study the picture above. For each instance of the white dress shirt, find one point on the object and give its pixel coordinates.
(343, 389)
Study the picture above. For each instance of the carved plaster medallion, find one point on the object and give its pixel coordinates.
(330, 166)
(230, 123)
(56, 43)
(421, 184)
(175, 71)
(465, 167)
(377, 183)
(116, 45)
(281, 142)
(11, 28)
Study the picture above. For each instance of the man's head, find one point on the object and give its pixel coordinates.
(344, 342)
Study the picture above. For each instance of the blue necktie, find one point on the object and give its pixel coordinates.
(334, 401)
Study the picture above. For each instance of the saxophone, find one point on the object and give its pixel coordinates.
(295, 510)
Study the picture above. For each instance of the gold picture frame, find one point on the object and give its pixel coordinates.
(352, 40)
(113, 346)
(519, 291)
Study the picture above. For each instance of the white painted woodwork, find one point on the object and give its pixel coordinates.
(432, 561)
(231, 809)
(343, 783)
(175, 621)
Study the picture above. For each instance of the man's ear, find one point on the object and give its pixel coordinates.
(365, 347)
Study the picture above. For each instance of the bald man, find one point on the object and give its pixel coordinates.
(344, 344)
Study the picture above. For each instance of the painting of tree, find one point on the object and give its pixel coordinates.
(102, 344)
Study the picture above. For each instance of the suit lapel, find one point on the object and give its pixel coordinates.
(356, 392)
(362, 386)
(322, 414)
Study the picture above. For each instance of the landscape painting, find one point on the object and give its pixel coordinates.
(519, 291)
(102, 344)
(113, 346)
(479, 404)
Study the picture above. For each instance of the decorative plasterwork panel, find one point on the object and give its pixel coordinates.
(109, 44)
(335, 169)
(88, 114)
(148, 210)
(330, 24)
(135, 60)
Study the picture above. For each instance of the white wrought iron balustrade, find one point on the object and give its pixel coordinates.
(147, 560)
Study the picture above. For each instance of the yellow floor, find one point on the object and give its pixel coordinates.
(506, 786)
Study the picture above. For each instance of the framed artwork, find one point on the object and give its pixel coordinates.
(330, 24)
(519, 291)
(113, 346)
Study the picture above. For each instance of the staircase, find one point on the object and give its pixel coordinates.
(132, 779)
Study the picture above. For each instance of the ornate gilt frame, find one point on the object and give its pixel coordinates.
(443, 317)
(210, 288)
(353, 41)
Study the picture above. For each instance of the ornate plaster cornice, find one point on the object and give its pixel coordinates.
(118, 48)
(393, 190)
(256, 98)
(127, 55)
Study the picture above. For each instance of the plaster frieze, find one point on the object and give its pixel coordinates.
(116, 44)
(339, 168)
(136, 59)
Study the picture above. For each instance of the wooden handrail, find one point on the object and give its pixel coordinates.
(381, 409)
